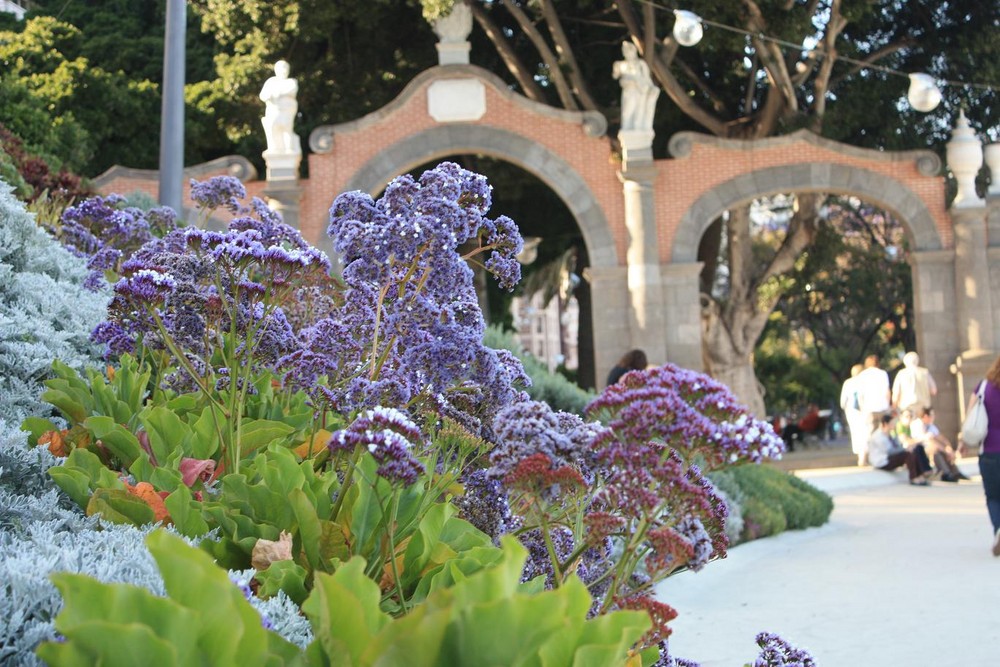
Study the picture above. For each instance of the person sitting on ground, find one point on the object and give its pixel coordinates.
(885, 453)
(903, 431)
(939, 449)
(634, 360)
(809, 423)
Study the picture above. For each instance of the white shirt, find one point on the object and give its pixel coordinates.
(873, 389)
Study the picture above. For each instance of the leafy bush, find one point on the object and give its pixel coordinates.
(553, 388)
(45, 313)
(776, 500)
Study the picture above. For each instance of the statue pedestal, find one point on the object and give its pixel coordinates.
(284, 197)
(453, 53)
(282, 166)
(636, 144)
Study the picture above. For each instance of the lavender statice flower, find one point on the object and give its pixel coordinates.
(193, 289)
(218, 192)
(693, 530)
(105, 232)
(689, 412)
(776, 652)
(409, 294)
(532, 427)
(146, 286)
(390, 437)
(484, 504)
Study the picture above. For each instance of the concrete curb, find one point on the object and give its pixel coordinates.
(836, 480)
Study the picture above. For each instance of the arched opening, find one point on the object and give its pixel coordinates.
(719, 334)
(549, 199)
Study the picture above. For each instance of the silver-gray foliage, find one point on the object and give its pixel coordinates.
(43, 532)
(45, 313)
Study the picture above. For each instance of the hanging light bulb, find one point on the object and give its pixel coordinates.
(923, 94)
(687, 27)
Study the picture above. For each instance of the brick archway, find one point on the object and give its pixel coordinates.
(884, 191)
(440, 142)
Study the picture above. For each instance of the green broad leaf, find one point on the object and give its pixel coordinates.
(204, 436)
(166, 479)
(497, 583)
(415, 640)
(89, 604)
(106, 402)
(464, 565)
(343, 610)
(259, 433)
(462, 535)
(75, 483)
(606, 639)
(320, 488)
(226, 553)
(366, 513)
(283, 575)
(73, 407)
(142, 469)
(167, 432)
(426, 541)
(111, 645)
(36, 426)
(185, 512)
(310, 531)
(83, 462)
(239, 529)
(257, 501)
(230, 630)
(280, 470)
(183, 404)
(120, 506)
(118, 439)
(132, 382)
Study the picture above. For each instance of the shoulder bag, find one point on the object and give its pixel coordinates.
(976, 422)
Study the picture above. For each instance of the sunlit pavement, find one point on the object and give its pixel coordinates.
(901, 575)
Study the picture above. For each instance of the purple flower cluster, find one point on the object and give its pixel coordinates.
(484, 503)
(390, 437)
(193, 290)
(105, 232)
(219, 192)
(776, 652)
(410, 307)
(531, 427)
(689, 412)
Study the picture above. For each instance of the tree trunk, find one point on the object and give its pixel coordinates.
(727, 360)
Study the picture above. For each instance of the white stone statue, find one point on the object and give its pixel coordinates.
(278, 94)
(638, 91)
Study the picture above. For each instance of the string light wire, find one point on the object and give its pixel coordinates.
(820, 54)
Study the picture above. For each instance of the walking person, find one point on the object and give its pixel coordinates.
(989, 455)
(873, 390)
(913, 387)
(857, 423)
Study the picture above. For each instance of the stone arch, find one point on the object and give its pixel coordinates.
(871, 186)
(556, 173)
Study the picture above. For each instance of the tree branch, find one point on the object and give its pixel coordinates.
(546, 53)
(566, 56)
(514, 65)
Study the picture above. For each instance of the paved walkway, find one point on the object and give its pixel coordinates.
(899, 576)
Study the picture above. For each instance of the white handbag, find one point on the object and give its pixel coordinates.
(976, 423)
